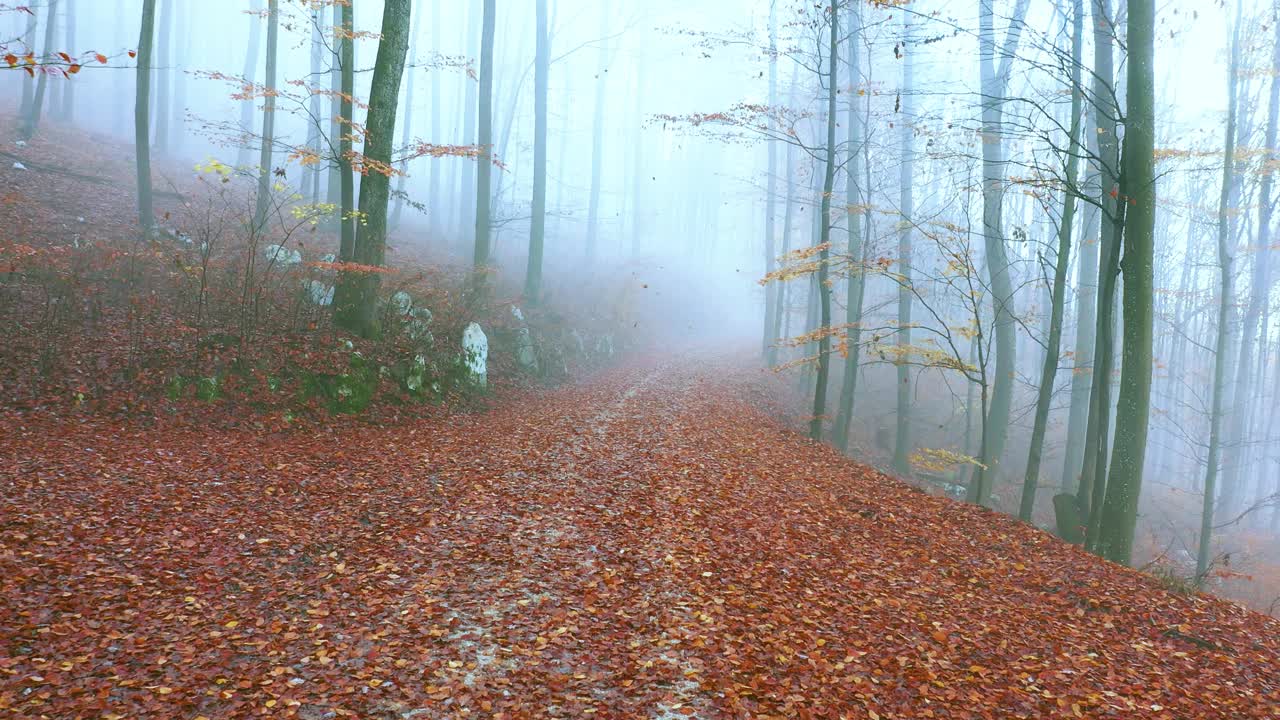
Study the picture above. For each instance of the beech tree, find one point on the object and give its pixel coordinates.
(357, 310)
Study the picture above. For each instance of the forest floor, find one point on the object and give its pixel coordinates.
(653, 542)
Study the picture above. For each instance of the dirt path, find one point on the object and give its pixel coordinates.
(647, 545)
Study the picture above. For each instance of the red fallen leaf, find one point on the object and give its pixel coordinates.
(133, 53)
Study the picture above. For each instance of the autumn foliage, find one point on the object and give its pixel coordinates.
(651, 544)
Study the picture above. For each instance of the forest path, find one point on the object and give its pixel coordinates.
(647, 544)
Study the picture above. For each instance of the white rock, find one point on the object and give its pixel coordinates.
(19, 166)
(329, 258)
(475, 354)
(282, 255)
(319, 293)
(20, 143)
(515, 312)
(403, 302)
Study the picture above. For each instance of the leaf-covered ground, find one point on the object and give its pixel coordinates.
(651, 544)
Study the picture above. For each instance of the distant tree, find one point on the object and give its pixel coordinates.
(996, 66)
(1062, 263)
(142, 116)
(484, 183)
(250, 72)
(31, 120)
(1226, 300)
(263, 200)
(906, 207)
(538, 223)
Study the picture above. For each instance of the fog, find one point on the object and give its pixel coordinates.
(712, 151)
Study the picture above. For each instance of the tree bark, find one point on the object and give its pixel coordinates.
(538, 225)
(995, 80)
(856, 288)
(142, 116)
(359, 312)
(484, 181)
(32, 119)
(1049, 372)
(1226, 298)
(406, 132)
(1120, 509)
(263, 202)
(250, 72)
(597, 137)
(824, 222)
(906, 207)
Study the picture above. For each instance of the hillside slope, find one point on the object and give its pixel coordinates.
(650, 544)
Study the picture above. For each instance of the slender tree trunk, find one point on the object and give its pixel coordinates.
(68, 110)
(995, 80)
(311, 184)
(484, 182)
(435, 221)
(338, 126)
(164, 72)
(856, 289)
(1097, 426)
(824, 222)
(597, 137)
(638, 164)
(250, 73)
(468, 193)
(28, 81)
(906, 207)
(1226, 298)
(142, 116)
(32, 119)
(407, 131)
(768, 340)
(1259, 292)
(1120, 509)
(268, 119)
(1049, 372)
(346, 169)
(541, 73)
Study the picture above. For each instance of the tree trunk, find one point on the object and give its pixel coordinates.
(906, 207)
(597, 137)
(1105, 112)
(1049, 372)
(768, 340)
(435, 220)
(824, 222)
(407, 131)
(164, 72)
(32, 119)
(1226, 298)
(538, 226)
(994, 85)
(68, 110)
(1259, 291)
(1120, 509)
(359, 312)
(856, 289)
(28, 81)
(468, 192)
(311, 181)
(484, 181)
(142, 116)
(250, 72)
(268, 119)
